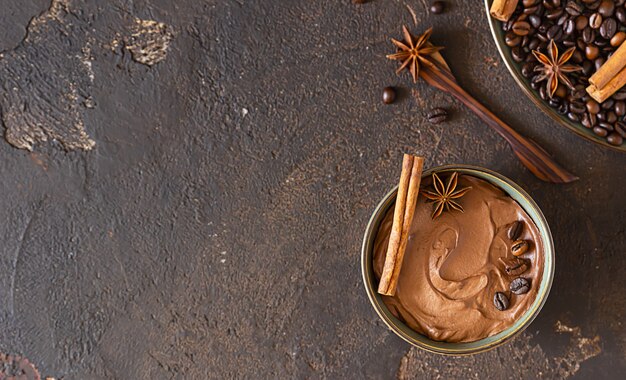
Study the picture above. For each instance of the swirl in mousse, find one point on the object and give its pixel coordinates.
(456, 263)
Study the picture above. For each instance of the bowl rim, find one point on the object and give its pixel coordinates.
(521, 82)
(532, 312)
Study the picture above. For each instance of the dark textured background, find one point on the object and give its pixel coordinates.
(214, 229)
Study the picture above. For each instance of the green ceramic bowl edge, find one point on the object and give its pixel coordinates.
(418, 340)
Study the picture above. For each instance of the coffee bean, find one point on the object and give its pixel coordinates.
(617, 39)
(592, 106)
(511, 39)
(620, 13)
(577, 107)
(573, 8)
(514, 266)
(521, 28)
(598, 62)
(588, 68)
(581, 22)
(599, 131)
(573, 117)
(534, 44)
(620, 128)
(606, 8)
(519, 286)
(437, 7)
(554, 14)
(519, 247)
(589, 35)
(529, 3)
(595, 21)
(620, 95)
(620, 108)
(615, 139)
(607, 104)
(606, 125)
(534, 20)
(515, 230)
(569, 27)
(437, 115)
(527, 69)
(586, 121)
(608, 28)
(389, 95)
(500, 301)
(591, 52)
(518, 54)
(532, 10)
(555, 32)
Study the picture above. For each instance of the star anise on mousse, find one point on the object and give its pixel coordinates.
(413, 51)
(554, 68)
(444, 196)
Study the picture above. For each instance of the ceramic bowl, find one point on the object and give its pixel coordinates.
(516, 71)
(405, 332)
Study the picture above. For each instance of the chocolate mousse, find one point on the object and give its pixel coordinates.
(467, 273)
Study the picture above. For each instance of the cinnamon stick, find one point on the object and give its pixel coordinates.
(403, 213)
(503, 9)
(610, 68)
(602, 94)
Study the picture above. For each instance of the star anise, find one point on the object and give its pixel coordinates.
(553, 68)
(413, 51)
(444, 196)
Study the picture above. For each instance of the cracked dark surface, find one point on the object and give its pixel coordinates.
(214, 229)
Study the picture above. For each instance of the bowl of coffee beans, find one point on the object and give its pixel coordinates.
(553, 47)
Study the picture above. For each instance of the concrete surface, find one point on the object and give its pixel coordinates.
(202, 171)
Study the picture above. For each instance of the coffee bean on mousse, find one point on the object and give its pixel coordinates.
(519, 247)
(501, 301)
(519, 286)
(514, 266)
(389, 95)
(437, 115)
(515, 230)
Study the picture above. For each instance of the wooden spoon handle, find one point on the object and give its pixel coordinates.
(535, 158)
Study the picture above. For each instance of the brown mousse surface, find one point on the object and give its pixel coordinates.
(453, 265)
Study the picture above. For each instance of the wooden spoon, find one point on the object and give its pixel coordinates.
(534, 157)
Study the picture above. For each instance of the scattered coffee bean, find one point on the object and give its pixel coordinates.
(437, 7)
(437, 115)
(515, 230)
(519, 247)
(389, 95)
(519, 286)
(501, 301)
(514, 266)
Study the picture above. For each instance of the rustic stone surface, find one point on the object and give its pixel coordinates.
(213, 228)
